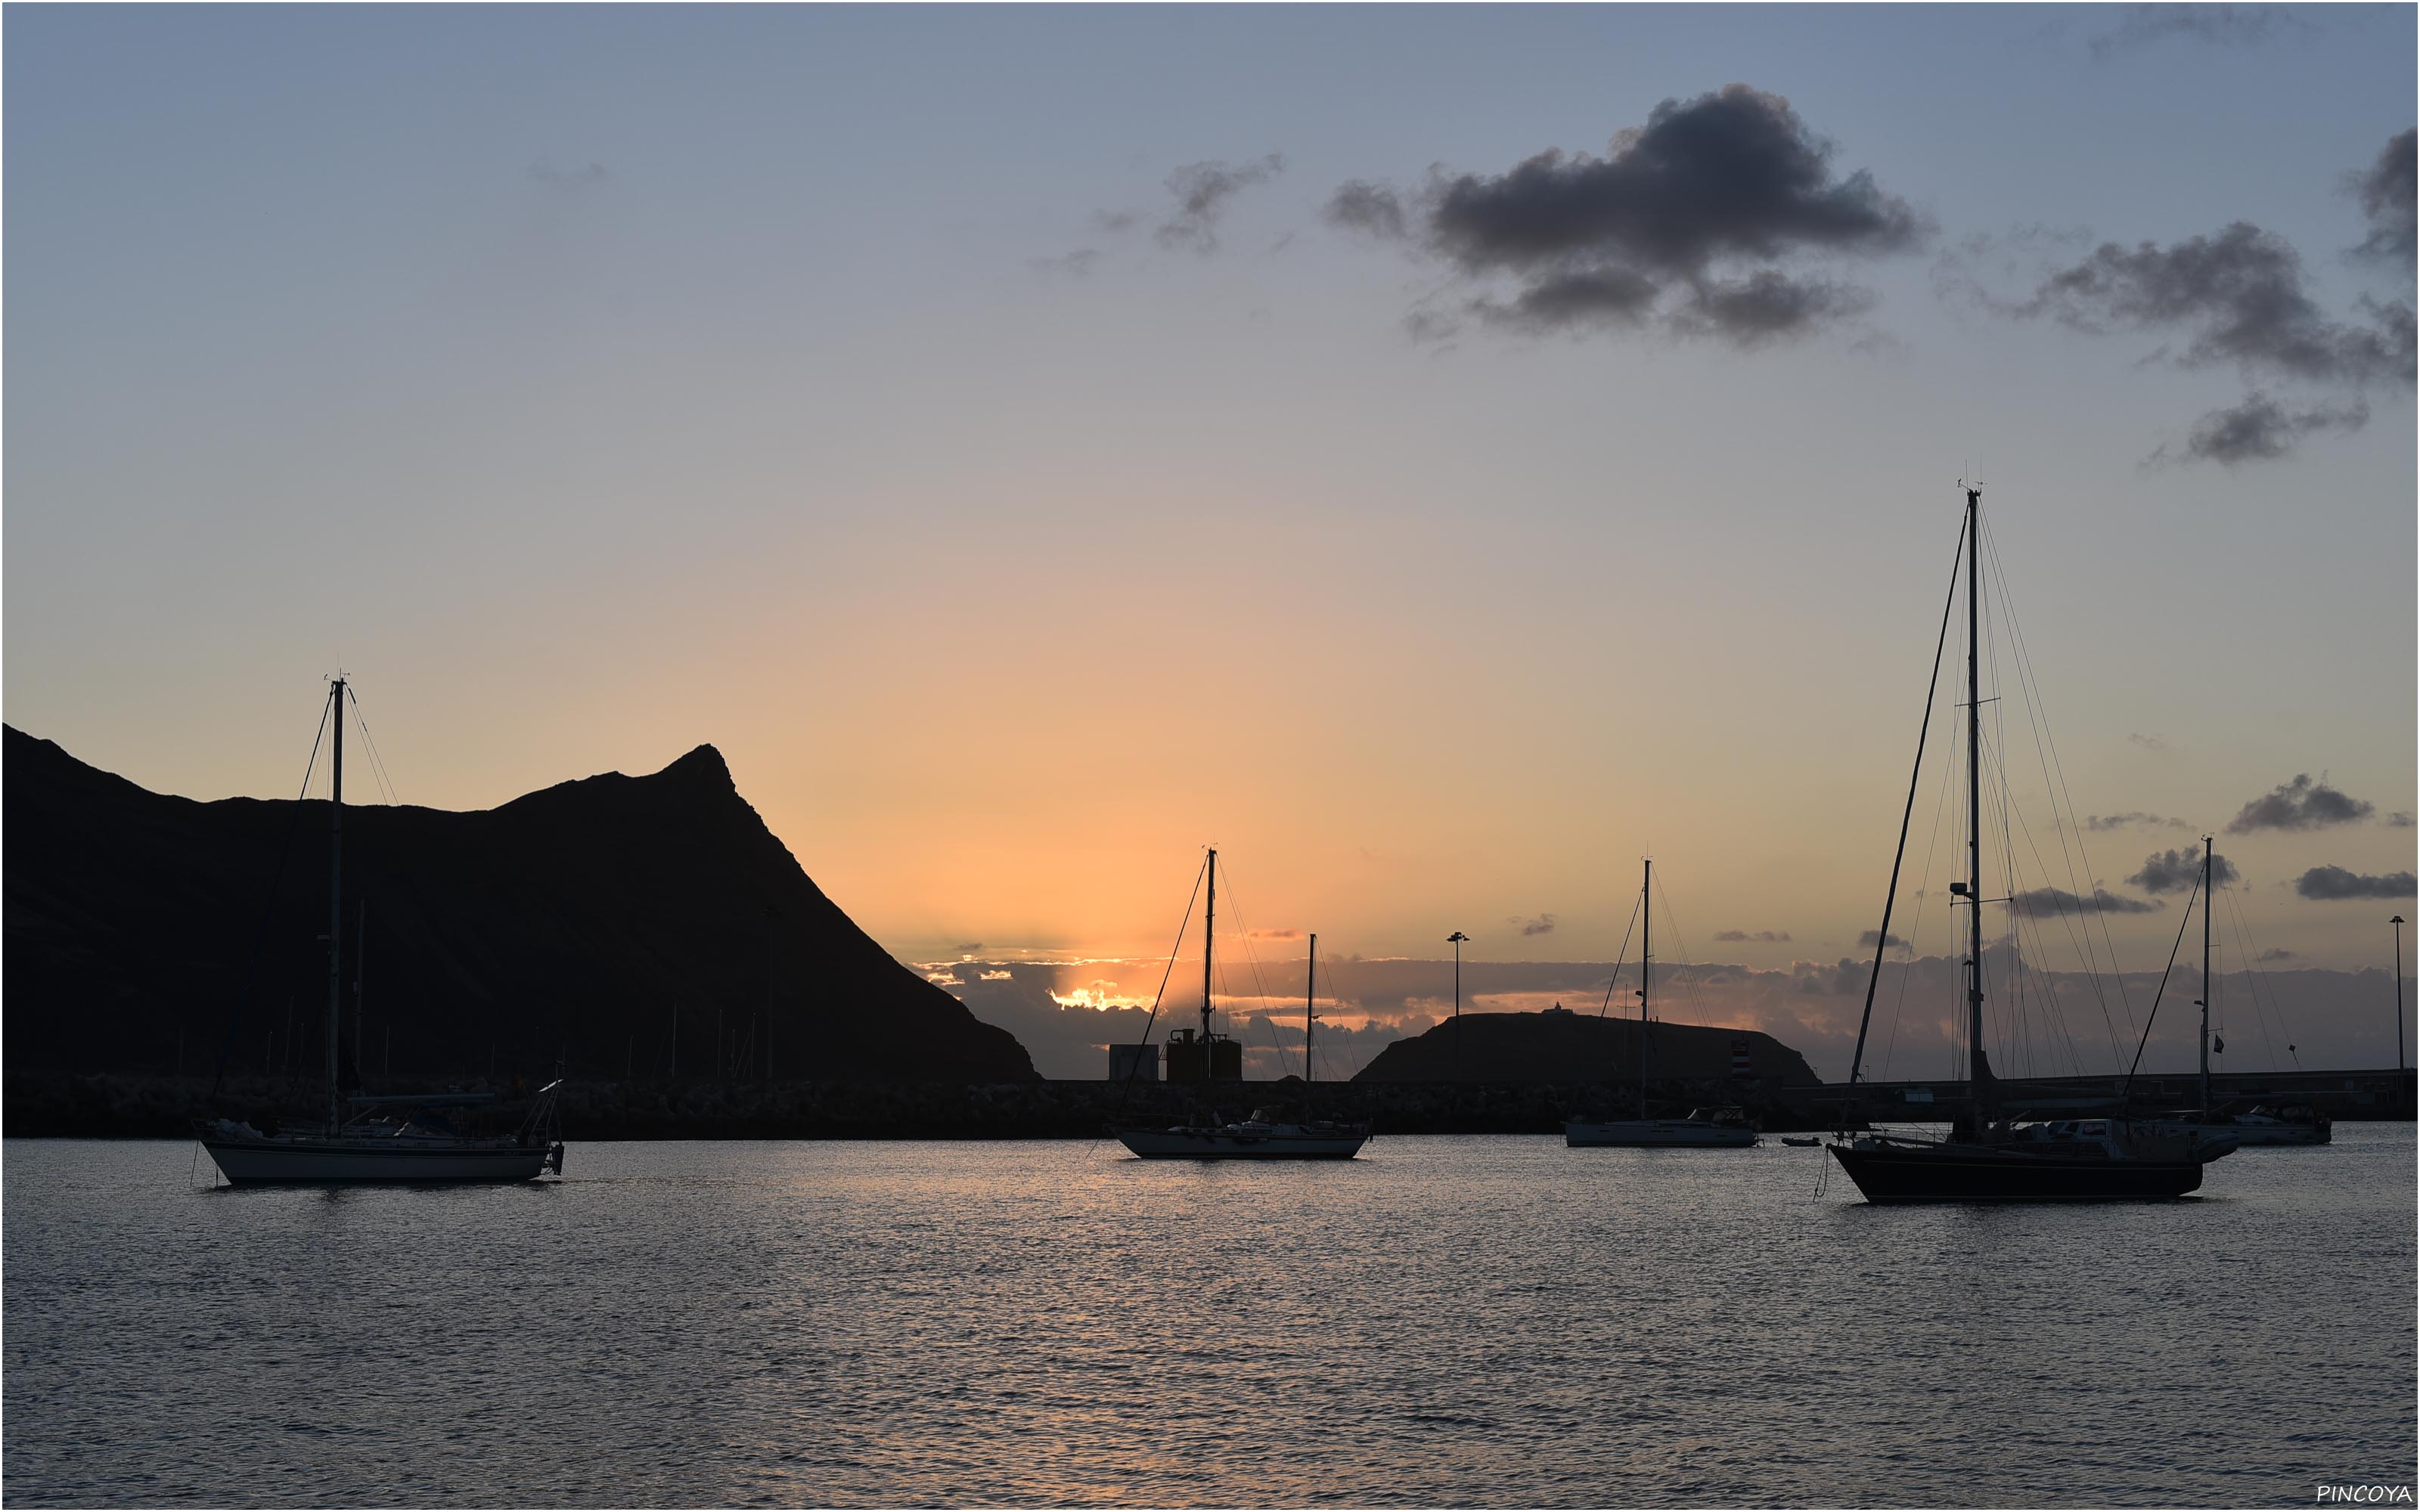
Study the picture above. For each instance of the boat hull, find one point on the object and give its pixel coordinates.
(1656, 1133)
(247, 1162)
(2250, 1133)
(1947, 1174)
(2278, 1133)
(1185, 1143)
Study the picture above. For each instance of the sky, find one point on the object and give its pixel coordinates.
(1438, 455)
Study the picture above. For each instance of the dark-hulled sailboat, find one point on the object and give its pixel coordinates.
(1266, 1135)
(1988, 1158)
(379, 1139)
(1706, 1128)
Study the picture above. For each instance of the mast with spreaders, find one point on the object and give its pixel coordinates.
(1980, 1072)
(2209, 899)
(336, 899)
(1309, 1019)
(1646, 929)
(1209, 939)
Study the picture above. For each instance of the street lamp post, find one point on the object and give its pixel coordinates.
(1455, 940)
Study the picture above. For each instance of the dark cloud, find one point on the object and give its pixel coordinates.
(2300, 804)
(2097, 822)
(1589, 297)
(1767, 307)
(2048, 902)
(2280, 954)
(2398, 820)
(1542, 924)
(2386, 199)
(2180, 870)
(1888, 942)
(2262, 430)
(2147, 742)
(1704, 204)
(1202, 191)
(1276, 934)
(2334, 884)
(2219, 25)
(970, 950)
(570, 180)
(2236, 298)
(1762, 936)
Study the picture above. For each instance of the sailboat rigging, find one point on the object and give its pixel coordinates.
(373, 1143)
(1266, 1135)
(1986, 1157)
(2298, 1125)
(1704, 1129)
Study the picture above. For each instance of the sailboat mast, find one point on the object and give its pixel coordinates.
(1309, 1019)
(1979, 1067)
(1209, 937)
(2208, 900)
(336, 897)
(1646, 925)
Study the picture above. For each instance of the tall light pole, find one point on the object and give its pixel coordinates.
(1456, 939)
(2397, 922)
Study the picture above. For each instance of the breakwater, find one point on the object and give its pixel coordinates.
(110, 1107)
(115, 1106)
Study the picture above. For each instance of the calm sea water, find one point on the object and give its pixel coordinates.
(1489, 1322)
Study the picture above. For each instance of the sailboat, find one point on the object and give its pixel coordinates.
(1267, 1134)
(1988, 1158)
(376, 1138)
(2259, 1126)
(1705, 1129)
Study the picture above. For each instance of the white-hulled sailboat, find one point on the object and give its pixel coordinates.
(1706, 1129)
(2260, 1126)
(381, 1139)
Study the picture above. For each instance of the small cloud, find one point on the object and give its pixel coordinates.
(2262, 430)
(2097, 822)
(570, 180)
(2238, 297)
(994, 976)
(1762, 936)
(1275, 933)
(2334, 884)
(2301, 804)
(2048, 902)
(1115, 220)
(1542, 924)
(2145, 26)
(1372, 209)
(2178, 871)
(2147, 742)
(1202, 191)
(2280, 954)
(2398, 820)
(970, 950)
(1077, 264)
(2386, 199)
(1888, 942)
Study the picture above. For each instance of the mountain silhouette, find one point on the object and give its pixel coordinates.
(575, 925)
